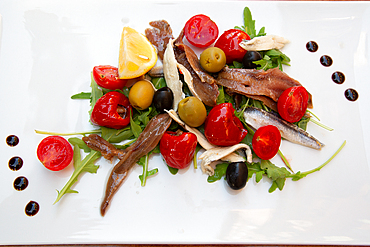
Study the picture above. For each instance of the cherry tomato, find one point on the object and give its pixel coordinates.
(55, 153)
(229, 42)
(266, 142)
(201, 31)
(292, 103)
(178, 148)
(222, 127)
(106, 76)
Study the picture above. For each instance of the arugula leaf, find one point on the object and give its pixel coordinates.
(135, 128)
(96, 93)
(80, 143)
(85, 165)
(249, 25)
(220, 171)
(82, 95)
(116, 136)
(272, 59)
(159, 82)
(144, 161)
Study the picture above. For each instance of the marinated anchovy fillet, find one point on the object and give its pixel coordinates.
(159, 35)
(146, 142)
(106, 149)
(257, 118)
(258, 84)
(206, 90)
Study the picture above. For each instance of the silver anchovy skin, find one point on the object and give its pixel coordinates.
(256, 118)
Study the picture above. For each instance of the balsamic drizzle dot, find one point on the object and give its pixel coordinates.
(20, 183)
(338, 77)
(32, 208)
(351, 94)
(15, 163)
(326, 61)
(312, 46)
(12, 140)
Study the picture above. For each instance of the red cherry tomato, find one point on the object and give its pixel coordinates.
(106, 76)
(229, 42)
(201, 31)
(222, 127)
(292, 103)
(178, 149)
(55, 153)
(266, 142)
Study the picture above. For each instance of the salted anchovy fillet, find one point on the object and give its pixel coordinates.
(204, 85)
(215, 152)
(257, 118)
(264, 43)
(147, 141)
(171, 75)
(107, 150)
(258, 84)
(159, 35)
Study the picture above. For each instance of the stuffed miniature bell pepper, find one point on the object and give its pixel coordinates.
(222, 127)
(178, 148)
(112, 110)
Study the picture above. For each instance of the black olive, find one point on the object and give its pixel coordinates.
(163, 99)
(237, 175)
(248, 59)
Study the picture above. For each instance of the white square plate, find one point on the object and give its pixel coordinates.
(48, 49)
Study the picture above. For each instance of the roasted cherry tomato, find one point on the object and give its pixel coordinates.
(229, 42)
(55, 153)
(201, 31)
(222, 127)
(112, 110)
(106, 76)
(266, 142)
(178, 148)
(292, 103)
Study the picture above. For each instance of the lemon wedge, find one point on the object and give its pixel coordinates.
(136, 54)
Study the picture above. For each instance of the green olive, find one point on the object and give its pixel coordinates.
(213, 59)
(192, 111)
(141, 95)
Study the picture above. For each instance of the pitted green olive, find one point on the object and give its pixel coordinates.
(192, 111)
(213, 59)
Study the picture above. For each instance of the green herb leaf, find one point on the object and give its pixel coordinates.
(85, 165)
(220, 171)
(81, 95)
(135, 128)
(96, 93)
(159, 82)
(80, 143)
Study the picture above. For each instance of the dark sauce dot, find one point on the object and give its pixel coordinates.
(338, 77)
(20, 183)
(32, 208)
(12, 140)
(312, 46)
(326, 61)
(15, 163)
(351, 94)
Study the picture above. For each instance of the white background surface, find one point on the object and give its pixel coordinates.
(48, 49)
